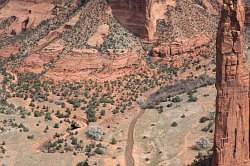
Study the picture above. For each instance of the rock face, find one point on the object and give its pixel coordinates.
(248, 13)
(186, 35)
(248, 29)
(213, 6)
(140, 16)
(231, 143)
(134, 15)
(177, 54)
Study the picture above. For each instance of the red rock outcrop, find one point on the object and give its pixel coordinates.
(140, 16)
(134, 15)
(177, 54)
(231, 142)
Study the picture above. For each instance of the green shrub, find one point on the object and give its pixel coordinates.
(102, 112)
(83, 163)
(37, 114)
(56, 125)
(73, 140)
(174, 124)
(176, 99)
(48, 116)
(75, 102)
(192, 98)
(160, 109)
(99, 151)
(91, 115)
(30, 136)
(113, 141)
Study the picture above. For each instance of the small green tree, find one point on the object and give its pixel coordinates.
(176, 99)
(56, 125)
(113, 141)
(192, 98)
(73, 140)
(47, 116)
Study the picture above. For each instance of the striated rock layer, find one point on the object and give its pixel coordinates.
(231, 143)
(247, 7)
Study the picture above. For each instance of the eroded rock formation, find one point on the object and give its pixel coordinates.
(177, 54)
(140, 16)
(135, 15)
(231, 143)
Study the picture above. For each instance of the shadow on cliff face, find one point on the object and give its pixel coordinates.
(131, 14)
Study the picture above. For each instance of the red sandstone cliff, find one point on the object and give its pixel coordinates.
(177, 54)
(231, 143)
(248, 13)
(140, 16)
(134, 15)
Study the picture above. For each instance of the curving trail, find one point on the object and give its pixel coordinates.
(129, 159)
(171, 90)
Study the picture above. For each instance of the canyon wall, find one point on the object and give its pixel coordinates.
(139, 16)
(231, 142)
(134, 15)
(247, 13)
(248, 29)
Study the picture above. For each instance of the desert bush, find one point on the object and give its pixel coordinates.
(174, 124)
(30, 136)
(99, 151)
(95, 132)
(38, 113)
(113, 141)
(74, 141)
(201, 144)
(91, 115)
(176, 99)
(56, 125)
(83, 163)
(192, 98)
(202, 161)
(47, 116)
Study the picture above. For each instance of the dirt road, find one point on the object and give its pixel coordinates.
(171, 90)
(130, 141)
